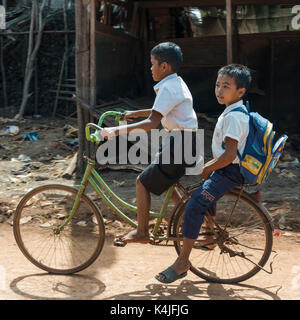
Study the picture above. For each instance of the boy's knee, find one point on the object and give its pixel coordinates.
(139, 183)
(191, 207)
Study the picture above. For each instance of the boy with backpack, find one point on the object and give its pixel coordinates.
(244, 152)
(222, 173)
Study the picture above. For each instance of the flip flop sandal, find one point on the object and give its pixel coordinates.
(170, 275)
(207, 247)
(119, 243)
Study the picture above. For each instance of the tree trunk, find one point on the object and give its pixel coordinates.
(31, 56)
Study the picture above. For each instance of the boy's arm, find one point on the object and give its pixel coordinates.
(151, 122)
(224, 160)
(144, 113)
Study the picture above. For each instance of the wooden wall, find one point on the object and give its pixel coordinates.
(119, 64)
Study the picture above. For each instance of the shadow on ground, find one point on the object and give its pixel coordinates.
(82, 287)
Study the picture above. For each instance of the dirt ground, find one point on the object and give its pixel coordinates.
(128, 273)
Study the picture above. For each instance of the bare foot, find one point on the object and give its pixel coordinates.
(134, 236)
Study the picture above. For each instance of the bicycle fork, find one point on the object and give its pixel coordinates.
(80, 192)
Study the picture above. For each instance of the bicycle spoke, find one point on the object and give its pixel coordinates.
(243, 237)
(71, 249)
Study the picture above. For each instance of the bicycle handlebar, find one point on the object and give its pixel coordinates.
(94, 136)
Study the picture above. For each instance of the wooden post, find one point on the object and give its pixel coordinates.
(66, 56)
(82, 70)
(134, 19)
(85, 73)
(229, 30)
(59, 84)
(235, 36)
(93, 61)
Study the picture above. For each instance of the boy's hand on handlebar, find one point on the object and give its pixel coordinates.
(109, 133)
(129, 115)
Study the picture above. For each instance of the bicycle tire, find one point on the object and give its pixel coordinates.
(76, 247)
(206, 264)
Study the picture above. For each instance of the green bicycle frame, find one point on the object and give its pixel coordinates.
(91, 176)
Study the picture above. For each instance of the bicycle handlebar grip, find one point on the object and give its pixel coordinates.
(89, 136)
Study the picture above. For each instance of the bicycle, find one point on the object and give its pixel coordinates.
(61, 230)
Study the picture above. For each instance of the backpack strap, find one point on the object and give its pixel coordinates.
(239, 109)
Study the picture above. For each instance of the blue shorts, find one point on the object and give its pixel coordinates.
(220, 182)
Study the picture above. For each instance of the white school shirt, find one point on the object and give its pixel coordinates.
(175, 102)
(234, 125)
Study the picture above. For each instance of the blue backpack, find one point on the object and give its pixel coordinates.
(261, 154)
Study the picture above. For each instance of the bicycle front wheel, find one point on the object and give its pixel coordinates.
(240, 244)
(37, 219)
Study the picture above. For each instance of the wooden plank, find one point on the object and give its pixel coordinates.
(62, 91)
(134, 19)
(110, 32)
(229, 31)
(68, 85)
(71, 168)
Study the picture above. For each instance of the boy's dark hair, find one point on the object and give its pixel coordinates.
(168, 52)
(241, 75)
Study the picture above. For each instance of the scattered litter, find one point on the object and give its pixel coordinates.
(287, 174)
(82, 223)
(31, 136)
(71, 132)
(45, 204)
(21, 157)
(25, 219)
(95, 220)
(40, 178)
(9, 212)
(22, 170)
(9, 130)
(46, 225)
(281, 223)
(277, 234)
(61, 215)
(30, 202)
(71, 142)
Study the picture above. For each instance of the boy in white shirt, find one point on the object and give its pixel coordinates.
(222, 173)
(173, 107)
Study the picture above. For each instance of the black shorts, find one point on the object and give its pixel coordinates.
(159, 176)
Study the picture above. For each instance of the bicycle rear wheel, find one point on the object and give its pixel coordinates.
(243, 241)
(38, 215)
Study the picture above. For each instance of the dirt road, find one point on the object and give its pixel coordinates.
(128, 274)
